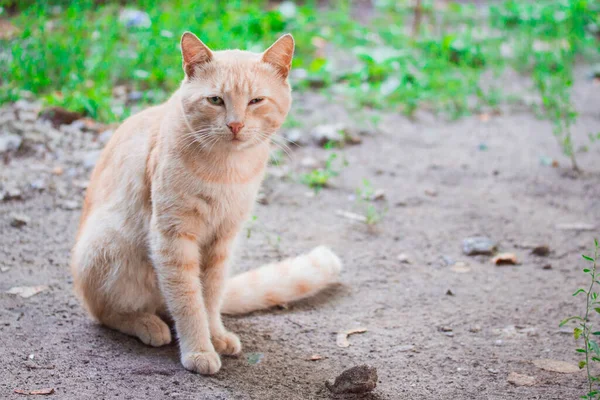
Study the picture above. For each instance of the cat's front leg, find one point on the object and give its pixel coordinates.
(215, 268)
(177, 262)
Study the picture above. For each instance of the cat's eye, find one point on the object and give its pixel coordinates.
(256, 100)
(215, 100)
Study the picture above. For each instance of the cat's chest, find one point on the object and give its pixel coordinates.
(227, 203)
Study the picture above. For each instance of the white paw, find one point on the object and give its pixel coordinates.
(205, 363)
(227, 343)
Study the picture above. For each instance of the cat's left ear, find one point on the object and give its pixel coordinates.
(194, 53)
(280, 55)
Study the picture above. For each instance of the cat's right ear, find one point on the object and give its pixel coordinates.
(194, 52)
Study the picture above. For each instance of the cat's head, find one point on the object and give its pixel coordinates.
(234, 99)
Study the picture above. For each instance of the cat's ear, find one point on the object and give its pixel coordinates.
(280, 54)
(194, 53)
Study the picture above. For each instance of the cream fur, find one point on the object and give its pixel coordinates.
(167, 200)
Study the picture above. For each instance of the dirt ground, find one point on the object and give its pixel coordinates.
(443, 182)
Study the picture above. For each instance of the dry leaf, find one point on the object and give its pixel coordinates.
(27, 291)
(316, 357)
(484, 117)
(556, 366)
(43, 392)
(505, 259)
(460, 267)
(342, 337)
(520, 380)
(351, 215)
(581, 226)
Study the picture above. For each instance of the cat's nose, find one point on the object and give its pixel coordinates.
(235, 127)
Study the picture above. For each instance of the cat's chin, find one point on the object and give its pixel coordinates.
(242, 144)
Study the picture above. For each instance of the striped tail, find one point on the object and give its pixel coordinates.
(281, 283)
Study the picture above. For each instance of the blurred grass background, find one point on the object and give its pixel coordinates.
(105, 58)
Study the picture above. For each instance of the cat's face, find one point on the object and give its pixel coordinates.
(232, 99)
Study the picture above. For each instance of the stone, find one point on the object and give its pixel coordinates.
(133, 18)
(38, 184)
(105, 136)
(309, 162)
(520, 380)
(91, 158)
(403, 258)
(70, 205)
(330, 133)
(542, 251)
(19, 220)
(478, 245)
(356, 380)
(379, 194)
(10, 142)
(135, 95)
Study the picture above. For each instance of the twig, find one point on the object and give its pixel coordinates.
(417, 20)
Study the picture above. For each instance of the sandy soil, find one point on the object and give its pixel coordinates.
(440, 187)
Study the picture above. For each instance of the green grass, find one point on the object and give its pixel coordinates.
(319, 178)
(585, 327)
(75, 55)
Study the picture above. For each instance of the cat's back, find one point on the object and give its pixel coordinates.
(119, 178)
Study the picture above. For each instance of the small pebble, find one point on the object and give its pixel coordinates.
(403, 258)
(431, 192)
(70, 205)
(542, 251)
(19, 220)
(58, 171)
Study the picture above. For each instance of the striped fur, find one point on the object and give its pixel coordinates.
(280, 283)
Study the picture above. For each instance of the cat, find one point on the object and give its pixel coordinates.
(167, 200)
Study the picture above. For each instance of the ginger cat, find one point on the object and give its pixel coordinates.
(168, 197)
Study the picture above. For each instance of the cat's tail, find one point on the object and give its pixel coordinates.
(283, 282)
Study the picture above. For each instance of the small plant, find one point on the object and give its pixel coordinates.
(584, 330)
(277, 157)
(319, 178)
(365, 196)
(250, 226)
(254, 225)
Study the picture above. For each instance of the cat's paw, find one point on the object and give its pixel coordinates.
(205, 362)
(152, 330)
(227, 343)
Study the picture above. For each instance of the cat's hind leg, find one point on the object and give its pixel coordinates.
(149, 328)
(117, 283)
